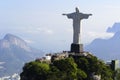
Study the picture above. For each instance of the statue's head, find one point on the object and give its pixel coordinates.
(77, 10)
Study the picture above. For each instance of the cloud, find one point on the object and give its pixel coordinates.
(94, 34)
(40, 30)
(103, 35)
(1, 67)
(87, 37)
(48, 31)
(29, 41)
(2, 63)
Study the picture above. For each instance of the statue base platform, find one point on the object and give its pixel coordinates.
(77, 48)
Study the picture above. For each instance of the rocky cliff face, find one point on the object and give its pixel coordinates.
(14, 52)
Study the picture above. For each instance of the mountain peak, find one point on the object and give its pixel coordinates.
(115, 28)
(11, 36)
(15, 52)
(16, 41)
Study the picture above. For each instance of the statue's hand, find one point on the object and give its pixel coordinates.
(64, 14)
(90, 14)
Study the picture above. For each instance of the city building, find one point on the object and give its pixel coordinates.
(115, 64)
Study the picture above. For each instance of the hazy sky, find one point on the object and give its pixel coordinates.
(41, 24)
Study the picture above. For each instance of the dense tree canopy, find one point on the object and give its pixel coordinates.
(117, 74)
(80, 68)
(91, 65)
(35, 71)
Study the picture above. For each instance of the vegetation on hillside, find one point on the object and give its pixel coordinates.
(72, 68)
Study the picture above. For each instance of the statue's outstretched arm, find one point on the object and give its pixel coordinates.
(90, 14)
(65, 14)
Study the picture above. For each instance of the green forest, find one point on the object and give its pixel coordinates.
(71, 68)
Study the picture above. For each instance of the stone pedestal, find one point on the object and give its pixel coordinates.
(77, 48)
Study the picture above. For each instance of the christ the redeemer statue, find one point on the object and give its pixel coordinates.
(77, 17)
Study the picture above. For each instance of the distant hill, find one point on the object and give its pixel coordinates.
(14, 52)
(107, 49)
(115, 28)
